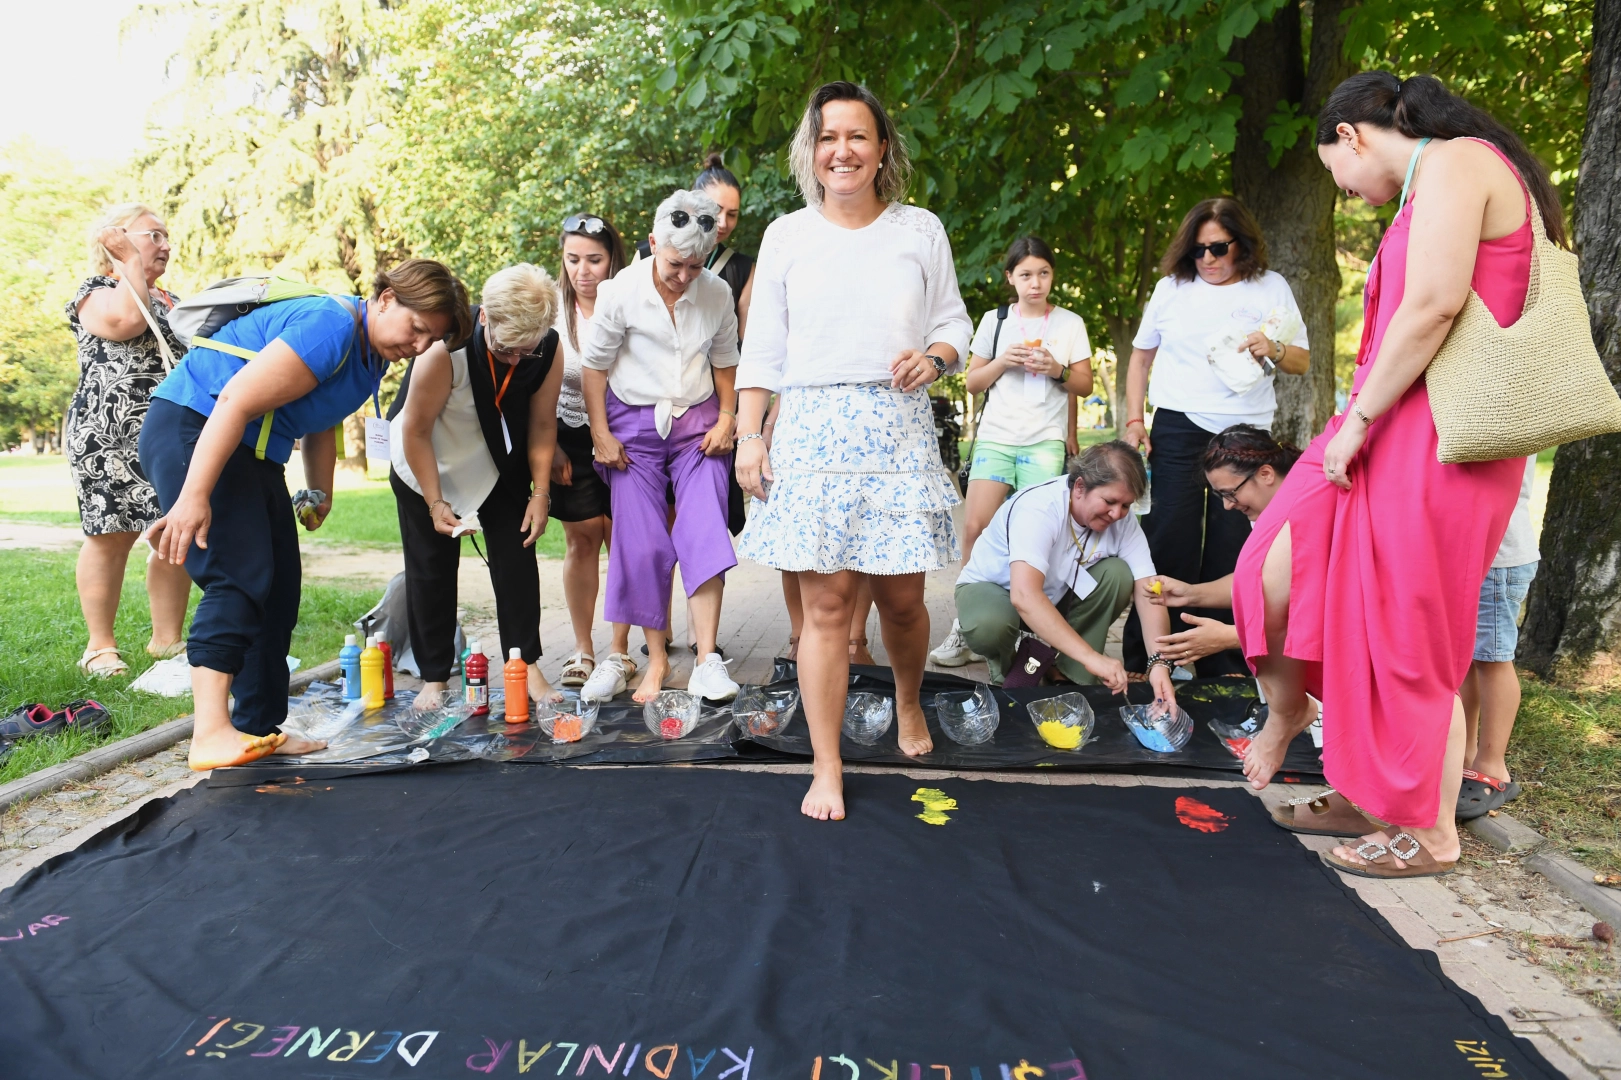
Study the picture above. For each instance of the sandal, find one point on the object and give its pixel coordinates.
(167, 652)
(1381, 859)
(106, 671)
(1328, 814)
(577, 669)
(858, 649)
(83, 715)
(1481, 794)
(26, 720)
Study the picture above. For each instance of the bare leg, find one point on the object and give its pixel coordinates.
(824, 684)
(658, 663)
(796, 612)
(984, 497)
(859, 653)
(100, 578)
(703, 613)
(539, 688)
(168, 587)
(1283, 678)
(621, 638)
(580, 577)
(1497, 706)
(214, 742)
(1441, 838)
(904, 620)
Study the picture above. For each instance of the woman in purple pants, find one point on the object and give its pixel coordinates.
(659, 374)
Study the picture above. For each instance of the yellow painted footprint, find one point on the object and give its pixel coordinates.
(935, 804)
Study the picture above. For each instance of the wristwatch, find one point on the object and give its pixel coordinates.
(940, 364)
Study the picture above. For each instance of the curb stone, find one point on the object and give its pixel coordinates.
(1567, 875)
(106, 758)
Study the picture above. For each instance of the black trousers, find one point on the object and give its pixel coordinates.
(431, 563)
(249, 573)
(1192, 537)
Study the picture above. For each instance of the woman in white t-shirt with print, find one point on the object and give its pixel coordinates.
(1030, 360)
(1218, 328)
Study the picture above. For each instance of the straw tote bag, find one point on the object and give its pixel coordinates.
(1509, 391)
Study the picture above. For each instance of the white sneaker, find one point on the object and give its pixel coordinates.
(609, 679)
(711, 681)
(954, 651)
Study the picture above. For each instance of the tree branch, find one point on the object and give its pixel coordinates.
(955, 49)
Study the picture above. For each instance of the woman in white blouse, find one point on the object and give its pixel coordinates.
(855, 312)
(658, 384)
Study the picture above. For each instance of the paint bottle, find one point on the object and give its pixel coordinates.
(476, 680)
(516, 674)
(349, 664)
(371, 674)
(388, 668)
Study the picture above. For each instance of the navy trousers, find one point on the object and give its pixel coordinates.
(250, 573)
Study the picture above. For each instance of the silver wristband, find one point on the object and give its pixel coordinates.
(750, 437)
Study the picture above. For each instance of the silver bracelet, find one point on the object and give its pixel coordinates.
(750, 437)
(1367, 421)
(1157, 660)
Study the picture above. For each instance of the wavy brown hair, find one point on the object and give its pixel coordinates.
(894, 168)
(429, 287)
(1240, 224)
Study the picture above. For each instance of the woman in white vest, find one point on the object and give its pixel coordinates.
(471, 448)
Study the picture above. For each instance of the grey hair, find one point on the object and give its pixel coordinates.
(1113, 462)
(689, 241)
(520, 303)
(894, 168)
(124, 214)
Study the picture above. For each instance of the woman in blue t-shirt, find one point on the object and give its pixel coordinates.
(215, 444)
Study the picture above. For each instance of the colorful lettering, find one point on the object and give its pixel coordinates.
(571, 1048)
(258, 1029)
(495, 1056)
(193, 1051)
(526, 1060)
(1024, 1070)
(317, 1044)
(18, 936)
(945, 1069)
(630, 1062)
(54, 920)
(356, 1044)
(279, 1041)
(742, 1065)
(381, 1052)
(36, 927)
(610, 1066)
(669, 1062)
(917, 1071)
(698, 1067)
(1072, 1063)
(973, 1072)
(889, 1073)
(410, 1058)
(855, 1070)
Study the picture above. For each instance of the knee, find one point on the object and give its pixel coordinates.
(1114, 574)
(830, 611)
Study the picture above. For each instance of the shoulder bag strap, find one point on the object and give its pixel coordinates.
(977, 407)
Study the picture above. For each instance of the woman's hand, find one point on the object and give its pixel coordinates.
(118, 244)
(445, 521)
(1135, 434)
(1038, 361)
(313, 517)
(562, 470)
(1171, 593)
(718, 439)
(1341, 449)
(172, 535)
(1109, 671)
(912, 370)
(753, 467)
(1206, 636)
(535, 514)
(1164, 688)
(1260, 347)
(609, 451)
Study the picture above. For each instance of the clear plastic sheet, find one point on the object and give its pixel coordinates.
(1160, 726)
(968, 717)
(673, 714)
(867, 717)
(1064, 722)
(764, 710)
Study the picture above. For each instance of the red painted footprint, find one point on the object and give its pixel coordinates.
(1197, 815)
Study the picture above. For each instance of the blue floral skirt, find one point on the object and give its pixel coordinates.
(859, 485)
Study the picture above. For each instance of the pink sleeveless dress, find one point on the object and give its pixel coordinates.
(1386, 577)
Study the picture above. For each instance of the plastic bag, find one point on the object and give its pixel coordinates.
(762, 710)
(1064, 722)
(968, 717)
(1160, 726)
(867, 717)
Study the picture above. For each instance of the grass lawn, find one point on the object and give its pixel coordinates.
(1566, 755)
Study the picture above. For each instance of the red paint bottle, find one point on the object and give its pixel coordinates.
(388, 669)
(476, 680)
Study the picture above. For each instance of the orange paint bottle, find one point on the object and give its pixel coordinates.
(516, 673)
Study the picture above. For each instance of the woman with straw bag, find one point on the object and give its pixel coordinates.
(1360, 581)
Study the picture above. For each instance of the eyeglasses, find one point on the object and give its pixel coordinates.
(1231, 496)
(589, 224)
(679, 219)
(158, 237)
(1218, 249)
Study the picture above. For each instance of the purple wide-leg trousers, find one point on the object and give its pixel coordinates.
(645, 548)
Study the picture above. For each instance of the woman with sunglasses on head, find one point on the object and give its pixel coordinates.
(592, 254)
(659, 373)
(855, 312)
(472, 435)
(1217, 329)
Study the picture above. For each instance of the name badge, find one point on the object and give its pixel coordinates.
(377, 441)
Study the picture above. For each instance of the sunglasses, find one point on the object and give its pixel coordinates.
(1218, 249)
(679, 219)
(588, 224)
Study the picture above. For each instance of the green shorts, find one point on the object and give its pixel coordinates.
(1017, 466)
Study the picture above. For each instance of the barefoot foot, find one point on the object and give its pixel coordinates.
(431, 696)
(1268, 749)
(913, 736)
(825, 799)
(539, 688)
(293, 745)
(652, 681)
(219, 750)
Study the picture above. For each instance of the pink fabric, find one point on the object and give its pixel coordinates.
(1386, 577)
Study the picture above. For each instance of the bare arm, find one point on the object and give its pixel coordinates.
(542, 449)
(982, 373)
(1134, 430)
(743, 300)
(424, 401)
(1156, 624)
(320, 453)
(609, 450)
(1045, 621)
(1205, 594)
(115, 314)
(752, 464)
(718, 439)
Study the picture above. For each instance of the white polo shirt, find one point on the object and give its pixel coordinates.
(651, 360)
(1035, 527)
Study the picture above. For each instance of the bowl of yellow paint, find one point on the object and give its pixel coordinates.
(673, 714)
(968, 717)
(867, 717)
(569, 719)
(762, 710)
(1064, 722)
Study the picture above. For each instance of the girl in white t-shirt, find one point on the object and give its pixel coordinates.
(1031, 360)
(1218, 328)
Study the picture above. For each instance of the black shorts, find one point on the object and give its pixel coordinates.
(587, 496)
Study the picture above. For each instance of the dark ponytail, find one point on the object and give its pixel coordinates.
(1244, 448)
(1421, 107)
(716, 172)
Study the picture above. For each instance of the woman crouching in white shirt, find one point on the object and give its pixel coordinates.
(659, 371)
(855, 311)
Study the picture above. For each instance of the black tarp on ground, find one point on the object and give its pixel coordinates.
(690, 924)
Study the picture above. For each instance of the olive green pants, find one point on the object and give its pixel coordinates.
(991, 626)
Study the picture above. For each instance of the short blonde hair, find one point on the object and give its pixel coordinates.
(894, 168)
(124, 214)
(520, 303)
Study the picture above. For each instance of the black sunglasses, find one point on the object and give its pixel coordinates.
(679, 219)
(589, 224)
(1218, 249)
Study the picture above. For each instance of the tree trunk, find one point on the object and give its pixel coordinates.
(1120, 335)
(1294, 201)
(1573, 623)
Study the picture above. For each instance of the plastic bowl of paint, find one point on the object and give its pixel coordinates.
(568, 720)
(968, 717)
(1160, 726)
(762, 710)
(1064, 721)
(867, 717)
(673, 714)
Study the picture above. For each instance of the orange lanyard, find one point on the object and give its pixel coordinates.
(499, 394)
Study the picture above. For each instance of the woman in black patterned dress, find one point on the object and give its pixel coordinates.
(120, 363)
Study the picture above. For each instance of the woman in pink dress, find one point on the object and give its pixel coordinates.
(1359, 583)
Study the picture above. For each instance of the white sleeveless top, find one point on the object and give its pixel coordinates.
(467, 472)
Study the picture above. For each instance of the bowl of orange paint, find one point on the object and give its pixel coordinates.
(673, 714)
(568, 720)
